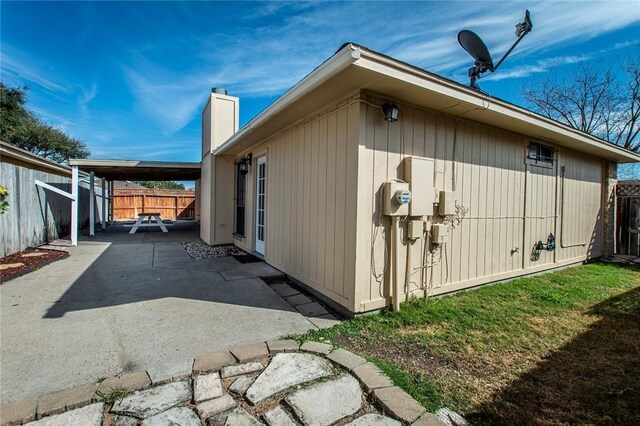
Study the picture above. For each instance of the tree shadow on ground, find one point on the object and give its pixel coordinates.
(593, 379)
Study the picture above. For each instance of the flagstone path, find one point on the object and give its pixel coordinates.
(272, 383)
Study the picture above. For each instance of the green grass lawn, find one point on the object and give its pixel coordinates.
(553, 349)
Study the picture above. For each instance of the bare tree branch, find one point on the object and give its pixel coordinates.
(597, 101)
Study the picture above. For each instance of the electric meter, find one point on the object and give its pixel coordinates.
(403, 196)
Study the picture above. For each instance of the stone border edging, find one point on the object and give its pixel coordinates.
(392, 400)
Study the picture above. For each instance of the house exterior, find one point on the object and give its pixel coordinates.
(495, 191)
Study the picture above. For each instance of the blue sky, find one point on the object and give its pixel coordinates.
(130, 79)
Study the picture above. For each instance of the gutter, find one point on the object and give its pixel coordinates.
(338, 62)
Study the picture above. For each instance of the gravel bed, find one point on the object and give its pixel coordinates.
(201, 250)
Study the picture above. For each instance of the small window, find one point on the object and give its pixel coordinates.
(540, 155)
(239, 201)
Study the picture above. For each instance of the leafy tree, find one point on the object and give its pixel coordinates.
(22, 128)
(594, 100)
(164, 184)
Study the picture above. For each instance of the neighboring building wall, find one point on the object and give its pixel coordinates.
(511, 205)
(37, 215)
(311, 201)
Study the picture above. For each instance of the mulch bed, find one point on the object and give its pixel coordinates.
(27, 261)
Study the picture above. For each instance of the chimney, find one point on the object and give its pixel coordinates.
(220, 119)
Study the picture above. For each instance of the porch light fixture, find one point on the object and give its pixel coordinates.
(390, 112)
(244, 164)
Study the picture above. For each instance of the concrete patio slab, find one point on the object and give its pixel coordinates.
(107, 311)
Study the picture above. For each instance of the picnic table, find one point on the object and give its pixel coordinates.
(155, 215)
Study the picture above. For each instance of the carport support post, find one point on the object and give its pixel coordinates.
(104, 206)
(92, 204)
(74, 206)
(111, 200)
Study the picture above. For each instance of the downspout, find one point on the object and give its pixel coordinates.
(524, 217)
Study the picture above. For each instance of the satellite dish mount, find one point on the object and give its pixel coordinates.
(474, 45)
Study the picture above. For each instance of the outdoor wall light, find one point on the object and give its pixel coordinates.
(244, 164)
(390, 112)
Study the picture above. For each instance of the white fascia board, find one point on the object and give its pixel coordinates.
(338, 62)
(398, 70)
(133, 163)
(29, 158)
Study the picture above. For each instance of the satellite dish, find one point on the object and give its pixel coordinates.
(474, 45)
(476, 48)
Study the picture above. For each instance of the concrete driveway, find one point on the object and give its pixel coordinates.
(123, 303)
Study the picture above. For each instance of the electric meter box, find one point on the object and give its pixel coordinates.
(447, 203)
(419, 173)
(396, 198)
(439, 233)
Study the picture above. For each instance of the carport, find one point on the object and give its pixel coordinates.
(109, 171)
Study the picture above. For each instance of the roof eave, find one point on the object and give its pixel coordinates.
(346, 56)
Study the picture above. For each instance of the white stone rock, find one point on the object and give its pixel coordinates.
(278, 417)
(451, 418)
(125, 421)
(91, 415)
(181, 416)
(374, 420)
(214, 406)
(207, 386)
(286, 370)
(237, 370)
(240, 386)
(327, 402)
(149, 402)
(240, 417)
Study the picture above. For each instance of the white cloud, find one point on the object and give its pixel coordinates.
(541, 66)
(86, 96)
(20, 68)
(264, 57)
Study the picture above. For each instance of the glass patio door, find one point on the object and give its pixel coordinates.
(261, 192)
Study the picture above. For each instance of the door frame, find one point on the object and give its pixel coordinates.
(259, 245)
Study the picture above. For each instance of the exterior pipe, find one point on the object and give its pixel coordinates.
(395, 279)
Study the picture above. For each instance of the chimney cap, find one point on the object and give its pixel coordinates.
(219, 91)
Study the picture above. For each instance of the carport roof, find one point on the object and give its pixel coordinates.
(139, 170)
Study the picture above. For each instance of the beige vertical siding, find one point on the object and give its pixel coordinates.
(311, 201)
(580, 200)
(511, 205)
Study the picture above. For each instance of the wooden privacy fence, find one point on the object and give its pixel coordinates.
(628, 217)
(171, 204)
